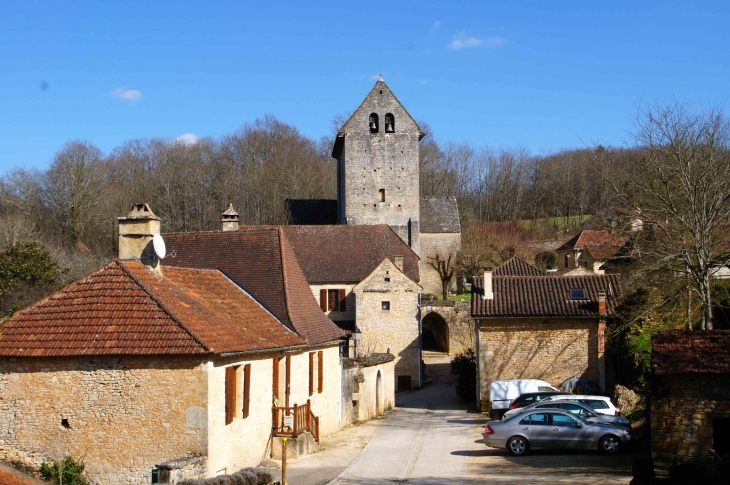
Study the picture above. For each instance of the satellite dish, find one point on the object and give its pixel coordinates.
(159, 244)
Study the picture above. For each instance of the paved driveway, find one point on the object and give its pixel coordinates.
(432, 438)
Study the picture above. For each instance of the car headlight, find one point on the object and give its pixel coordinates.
(627, 434)
(622, 421)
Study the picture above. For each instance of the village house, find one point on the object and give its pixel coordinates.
(690, 395)
(589, 250)
(532, 326)
(142, 363)
(366, 278)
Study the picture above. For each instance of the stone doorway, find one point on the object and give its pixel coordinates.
(435, 333)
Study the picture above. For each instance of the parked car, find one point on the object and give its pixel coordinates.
(502, 393)
(583, 411)
(524, 400)
(601, 404)
(554, 428)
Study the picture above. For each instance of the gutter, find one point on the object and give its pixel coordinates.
(279, 349)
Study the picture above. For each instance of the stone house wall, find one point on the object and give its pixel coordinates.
(552, 350)
(683, 407)
(362, 378)
(396, 329)
(241, 443)
(122, 414)
(430, 245)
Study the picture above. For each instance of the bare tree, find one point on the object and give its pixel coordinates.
(444, 262)
(681, 195)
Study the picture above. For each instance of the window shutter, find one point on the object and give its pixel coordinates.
(311, 373)
(230, 394)
(323, 300)
(343, 303)
(320, 371)
(276, 379)
(246, 389)
(288, 378)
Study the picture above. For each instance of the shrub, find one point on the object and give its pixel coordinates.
(71, 471)
(546, 260)
(464, 367)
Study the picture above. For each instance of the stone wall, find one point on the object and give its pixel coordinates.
(461, 326)
(362, 399)
(395, 329)
(123, 415)
(552, 350)
(682, 410)
(430, 245)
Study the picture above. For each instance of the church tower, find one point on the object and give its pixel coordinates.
(377, 166)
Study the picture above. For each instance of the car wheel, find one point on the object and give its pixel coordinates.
(518, 445)
(610, 444)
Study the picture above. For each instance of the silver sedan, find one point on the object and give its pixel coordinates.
(554, 428)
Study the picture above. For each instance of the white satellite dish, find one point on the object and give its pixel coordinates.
(159, 244)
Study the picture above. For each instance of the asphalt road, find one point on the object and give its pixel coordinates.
(433, 438)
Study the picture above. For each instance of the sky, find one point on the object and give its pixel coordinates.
(539, 75)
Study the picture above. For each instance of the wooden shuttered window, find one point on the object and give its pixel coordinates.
(246, 389)
(343, 302)
(320, 371)
(230, 393)
(288, 379)
(323, 300)
(276, 379)
(311, 373)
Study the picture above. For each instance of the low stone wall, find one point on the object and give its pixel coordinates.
(360, 395)
(176, 471)
(683, 408)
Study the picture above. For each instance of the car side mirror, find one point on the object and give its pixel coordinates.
(591, 420)
(580, 425)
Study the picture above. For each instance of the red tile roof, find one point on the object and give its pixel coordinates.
(679, 351)
(538, 296)
(261, 261)
(348, 254)
(125, 309)
(515, 266)
(600, 244)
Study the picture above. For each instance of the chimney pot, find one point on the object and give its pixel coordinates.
(602, 303)
(229, 219)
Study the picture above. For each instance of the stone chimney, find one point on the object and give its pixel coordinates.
(488, 293)
(135, 235)
(399, 262)
(602, 303)
(229, 219)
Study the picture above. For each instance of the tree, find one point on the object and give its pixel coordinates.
(546, 260)
(681, 195)
(27, 272)
(444, 263)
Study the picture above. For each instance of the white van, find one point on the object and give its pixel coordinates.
(502, 393)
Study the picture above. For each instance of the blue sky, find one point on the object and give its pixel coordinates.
(540, 75)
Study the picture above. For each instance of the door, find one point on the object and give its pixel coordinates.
(537, 429)
(567, 433)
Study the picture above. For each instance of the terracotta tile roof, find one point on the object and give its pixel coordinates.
(515, 266)
(538, 296)
(348, 254)
(259, 260)
(439, 215)
(600, 244)
(679, 351)
(125, 309)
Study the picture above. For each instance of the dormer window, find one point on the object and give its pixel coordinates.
(373, 123)
(389, 123)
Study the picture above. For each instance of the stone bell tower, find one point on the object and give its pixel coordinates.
(377, 166)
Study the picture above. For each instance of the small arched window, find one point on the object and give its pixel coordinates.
(389, 123)
(373, 123)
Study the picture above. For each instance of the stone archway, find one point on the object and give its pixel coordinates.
(435, 333)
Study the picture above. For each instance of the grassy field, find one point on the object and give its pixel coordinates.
(559, 223)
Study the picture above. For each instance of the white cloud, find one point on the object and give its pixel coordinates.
(425, 81)
(462, 40)
(188, 139)
(127, 94)
(436, 25)
(495, 42)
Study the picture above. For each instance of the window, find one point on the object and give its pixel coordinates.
(389, 123)
(540, 419)
(577, 410)
(596, 403)
(385, 305)
(333, 300)
(567, 260)
(373, 123)
(230, 393)
(387, 279)
(381, 195)
(563, 420)
(578, 294)
(246, 390)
